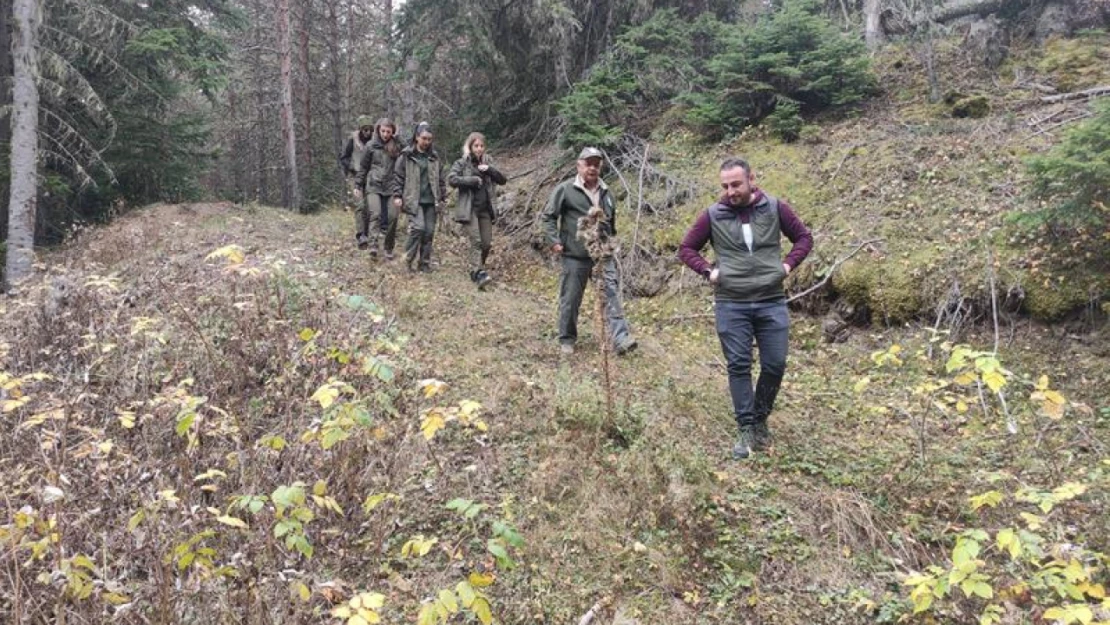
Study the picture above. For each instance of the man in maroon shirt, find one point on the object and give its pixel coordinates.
(745, 228)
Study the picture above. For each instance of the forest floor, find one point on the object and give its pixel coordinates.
(187, 388)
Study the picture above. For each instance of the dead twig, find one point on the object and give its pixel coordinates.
(829, 274)
(592, 613)
(1093, 92)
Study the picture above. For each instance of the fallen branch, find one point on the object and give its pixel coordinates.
(829, 274)
(1061, 123)
(1093, 92)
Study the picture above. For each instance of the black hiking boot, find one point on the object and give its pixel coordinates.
(363, 242)
(482, 279)
(745, 444)
(763, 438)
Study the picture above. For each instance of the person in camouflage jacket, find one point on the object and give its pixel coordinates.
(375, 173)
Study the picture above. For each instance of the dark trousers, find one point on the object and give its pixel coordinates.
(768, 325)
(422, 230)
(572, 285)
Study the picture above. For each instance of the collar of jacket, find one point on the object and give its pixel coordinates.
(410, 152)
(581, 184)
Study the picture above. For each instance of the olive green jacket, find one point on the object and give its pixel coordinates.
(376, 168)
(406, 179)
(465, 177)
(568, 203)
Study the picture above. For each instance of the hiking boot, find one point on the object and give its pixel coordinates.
(482, 279)
(375, 251)
(424, 268)
(627, 346)
(763, 439)
(745, 444)
(389, 254)
(363, 242)
(566, 349)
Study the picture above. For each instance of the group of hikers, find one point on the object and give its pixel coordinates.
(745, 227)
(385, 179)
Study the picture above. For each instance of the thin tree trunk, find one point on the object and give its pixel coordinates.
(387, 49)
(334, 99)
(261, 139)
(873, 23)
(5, 100)
(306, 77)
(408, 98)
(291, 192)
(27, 16)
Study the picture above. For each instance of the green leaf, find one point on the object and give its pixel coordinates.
(448, 600)
(466, 593)
(184, 423)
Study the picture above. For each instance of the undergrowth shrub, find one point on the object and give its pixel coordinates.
(1072, 181)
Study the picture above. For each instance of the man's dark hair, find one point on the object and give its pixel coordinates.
(732, 163)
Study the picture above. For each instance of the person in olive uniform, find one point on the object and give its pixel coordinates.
(419, 189)
(349, 160)
(375, 173)
(476, 178)
(570, 201)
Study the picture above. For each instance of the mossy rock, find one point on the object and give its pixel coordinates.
(975, 107)
(1051, 300)
(887, 289)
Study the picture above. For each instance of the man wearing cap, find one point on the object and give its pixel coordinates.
(570, 201)
(745, 228)
(350, 159)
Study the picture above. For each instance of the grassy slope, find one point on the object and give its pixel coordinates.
(868, 479)
(646, 510)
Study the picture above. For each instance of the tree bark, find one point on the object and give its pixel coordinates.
(873, 23)
(306, 77)
(5, 100)
(387, 47)
(291, 192)
(27, 16)
(408, 98)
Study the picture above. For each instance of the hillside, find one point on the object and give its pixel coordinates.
(226, 413)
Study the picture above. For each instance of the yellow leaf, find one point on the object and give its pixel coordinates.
(232, 521)
(481, 426)
(306, 334)
(432, 424)
(480, 580)
(126, 418)
(232, 253)
(357, 620)
(116, 598)
(482, 610)
(302, 591)
(861, 384)
(966, 378)
(432, 387)
(341, 612)
(326, 395)
(320, 488)
(1042, 383)
(961, 406)
(469, 407)
(1054, 397)
(447, 598)
(994, 380)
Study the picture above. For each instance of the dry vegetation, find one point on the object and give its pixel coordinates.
(163, 402)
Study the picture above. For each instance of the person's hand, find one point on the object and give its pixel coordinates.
(786, 268)
(715, 276)
(397, 202)
(483, 168)
(557, 249)
(358, 194)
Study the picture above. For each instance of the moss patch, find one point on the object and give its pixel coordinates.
(1051, 299)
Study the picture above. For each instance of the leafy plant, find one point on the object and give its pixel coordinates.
(1072, 181)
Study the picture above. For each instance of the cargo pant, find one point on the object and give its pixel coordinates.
(422, 229)
(480, 233)
(572, 285)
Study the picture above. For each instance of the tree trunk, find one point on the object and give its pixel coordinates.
(408, 98)
(873, 23)
(291, 192)
(306, 77)
(5, 101)
(387, 48)
(335, 98)
(27, 16)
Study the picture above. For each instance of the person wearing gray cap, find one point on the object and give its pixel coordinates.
(571, 200)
